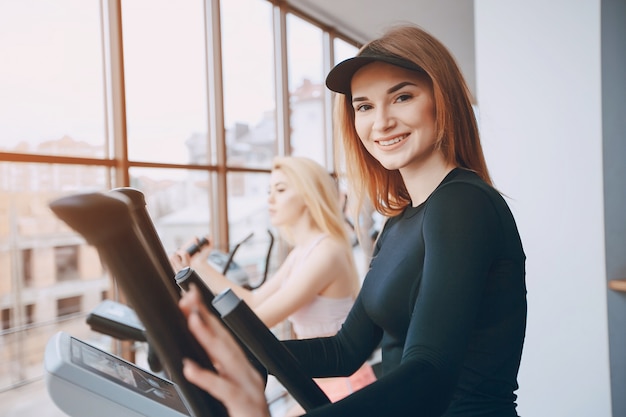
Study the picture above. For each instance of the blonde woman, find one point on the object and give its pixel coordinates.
(316, 285)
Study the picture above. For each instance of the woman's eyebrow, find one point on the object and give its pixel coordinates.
(389, 91)
(399, 86)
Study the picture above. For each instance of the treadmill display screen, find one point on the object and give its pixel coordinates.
(127, 375)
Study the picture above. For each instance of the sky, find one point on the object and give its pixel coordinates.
(52, 78)
(35, 104)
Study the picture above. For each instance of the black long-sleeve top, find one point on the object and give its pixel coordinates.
(445, 297)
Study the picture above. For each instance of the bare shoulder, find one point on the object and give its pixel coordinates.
(333, 247)
(330, 255)
(332, 259)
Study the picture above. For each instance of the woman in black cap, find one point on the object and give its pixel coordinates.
(445, 294)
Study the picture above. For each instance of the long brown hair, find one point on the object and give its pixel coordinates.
(457, 130)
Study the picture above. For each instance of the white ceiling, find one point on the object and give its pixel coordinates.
(451, 21)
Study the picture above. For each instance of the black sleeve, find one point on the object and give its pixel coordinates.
(339, 355)
(461, 233)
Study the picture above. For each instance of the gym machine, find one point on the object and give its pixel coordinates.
(85, 381)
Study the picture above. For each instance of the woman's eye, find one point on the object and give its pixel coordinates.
(404, 97)
(363, 107)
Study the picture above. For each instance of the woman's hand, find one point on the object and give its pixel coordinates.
(236, 384)
(182, 258)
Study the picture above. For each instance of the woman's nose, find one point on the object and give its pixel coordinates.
(383, 120)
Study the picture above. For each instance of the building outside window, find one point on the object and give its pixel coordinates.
(194, 127)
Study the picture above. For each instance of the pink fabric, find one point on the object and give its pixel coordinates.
(338, 388)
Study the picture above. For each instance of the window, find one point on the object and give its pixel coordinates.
(177, 201)
(51, 78)
(305, 52)
(248, 78)
(68, 306)
(61, 112)
(165, 79)
(66, 261)
(248, 222)
(6, 318)
(343, 50)
(30, 314)
(27, 266)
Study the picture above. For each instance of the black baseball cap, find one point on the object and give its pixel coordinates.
(340, 77)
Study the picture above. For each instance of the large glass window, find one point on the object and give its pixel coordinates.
(177, 201)
(252, 238)
(61, 109)
(165, 77)
(51, 78)
(306, 89)
(42, 261)
(343, 50)
(248, 77)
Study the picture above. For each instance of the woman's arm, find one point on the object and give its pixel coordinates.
(217, 281)
(305, 279)
(279, 297)
(461, 232)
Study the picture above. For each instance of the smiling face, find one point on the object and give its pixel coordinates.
(394, 116)
(286, 204)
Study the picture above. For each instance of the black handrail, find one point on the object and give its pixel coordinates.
(106, 222)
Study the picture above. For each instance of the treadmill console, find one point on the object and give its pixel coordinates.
(83, 380)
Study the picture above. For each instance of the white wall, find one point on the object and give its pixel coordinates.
(539, 97)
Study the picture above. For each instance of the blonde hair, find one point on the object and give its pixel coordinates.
(456, 127)
(319, 191)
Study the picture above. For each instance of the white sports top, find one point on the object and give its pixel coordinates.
(324, 315)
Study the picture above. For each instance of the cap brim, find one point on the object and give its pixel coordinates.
(339, 79)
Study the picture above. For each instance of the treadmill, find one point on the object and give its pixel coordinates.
(85, 381)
